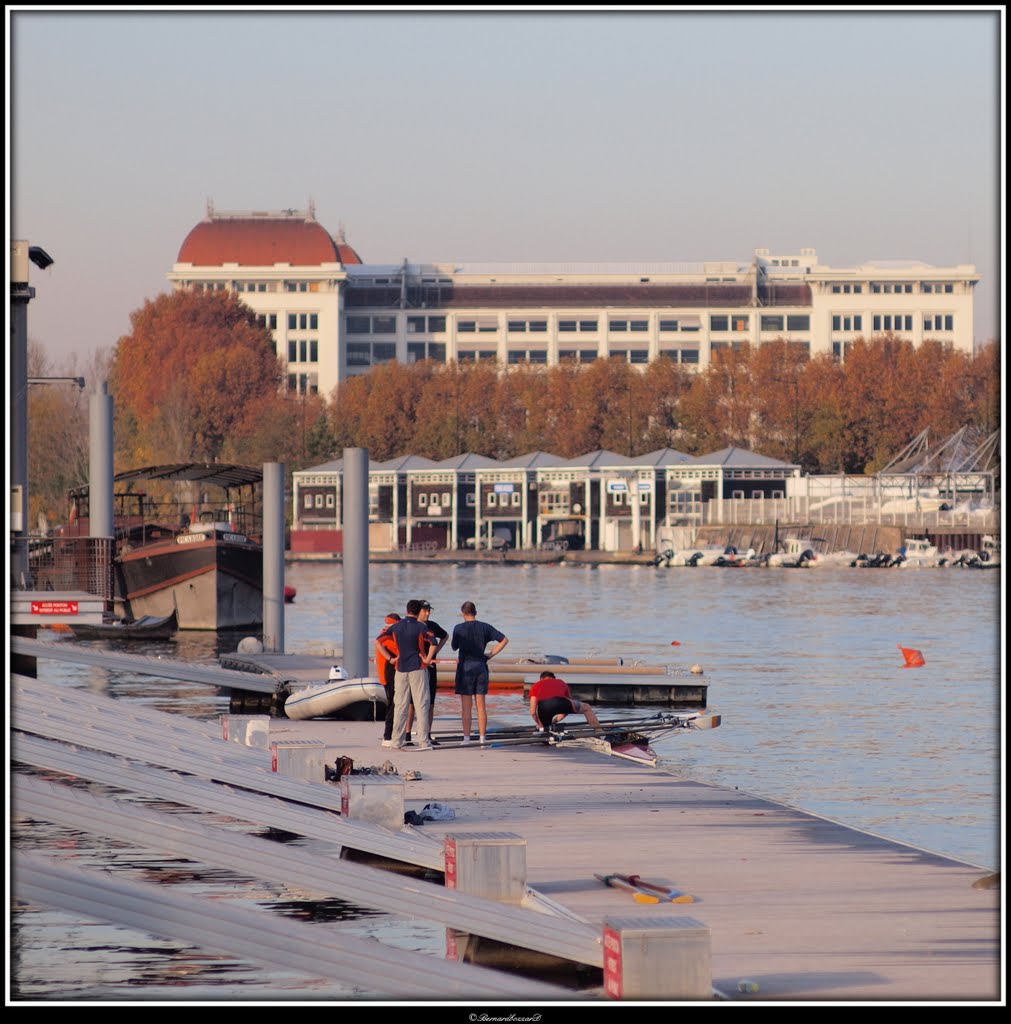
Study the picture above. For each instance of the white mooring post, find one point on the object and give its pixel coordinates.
(377, 799)
(657, 957)
(488, 864)
(300, 759)
(249, 730)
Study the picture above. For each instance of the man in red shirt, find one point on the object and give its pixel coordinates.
(550, 702)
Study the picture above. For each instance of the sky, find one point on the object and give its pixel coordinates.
(577, 135)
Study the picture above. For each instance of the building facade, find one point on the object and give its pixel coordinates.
(334, 316)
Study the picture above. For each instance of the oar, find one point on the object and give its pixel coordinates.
(618, 882)
(664, 894)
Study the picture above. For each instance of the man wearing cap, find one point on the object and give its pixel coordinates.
(441, 636)
(415, 649)
(470, 638)
(386, 669)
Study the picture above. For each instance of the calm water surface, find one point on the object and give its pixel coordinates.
(818, 712)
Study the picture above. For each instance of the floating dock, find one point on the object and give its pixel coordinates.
(800, 907)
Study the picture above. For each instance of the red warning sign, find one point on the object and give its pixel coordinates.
(54, 607)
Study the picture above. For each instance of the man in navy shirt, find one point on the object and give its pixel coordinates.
(470, 638)
(416, 646)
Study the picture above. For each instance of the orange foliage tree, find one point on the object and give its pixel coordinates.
(193, 367)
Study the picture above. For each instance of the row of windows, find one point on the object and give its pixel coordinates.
(363, 353)
(305, 350)
(504, 500)
(895, 288)
(490, 324)
(303, 383)
(931, 322)
(317, 500)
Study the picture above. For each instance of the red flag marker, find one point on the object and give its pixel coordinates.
(675, 643)
(914, 659)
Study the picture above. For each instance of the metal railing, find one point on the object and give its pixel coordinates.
(82, 564)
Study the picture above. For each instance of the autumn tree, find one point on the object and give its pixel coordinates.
(193, 368)
(58, 429)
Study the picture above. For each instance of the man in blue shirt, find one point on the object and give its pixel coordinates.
(416, 646)
(470, 638)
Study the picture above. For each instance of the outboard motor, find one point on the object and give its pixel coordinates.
(695, 559)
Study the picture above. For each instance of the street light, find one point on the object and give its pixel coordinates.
(792, 381)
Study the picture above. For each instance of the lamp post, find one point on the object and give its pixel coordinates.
(792, 381)
(21, 294)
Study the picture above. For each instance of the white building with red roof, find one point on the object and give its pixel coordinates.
(333, 316)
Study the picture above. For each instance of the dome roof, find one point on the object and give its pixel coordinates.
(261, 240)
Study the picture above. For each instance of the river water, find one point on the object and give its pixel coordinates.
(818, 710)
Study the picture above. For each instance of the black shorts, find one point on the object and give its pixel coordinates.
(472, 678)
(547, 709)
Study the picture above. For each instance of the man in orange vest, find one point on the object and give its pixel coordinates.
(386, 657)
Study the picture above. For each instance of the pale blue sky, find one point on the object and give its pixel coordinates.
(518, 136)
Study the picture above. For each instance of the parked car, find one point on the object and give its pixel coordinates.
(501, 539)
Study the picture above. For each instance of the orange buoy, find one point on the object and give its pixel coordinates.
(675, 643)
(914, 659)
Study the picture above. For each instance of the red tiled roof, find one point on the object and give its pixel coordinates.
(260, 242)
(347, 254)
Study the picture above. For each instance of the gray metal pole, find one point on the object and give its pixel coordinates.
(21, 295)
(355, 515)
(273, 557)
(100, 464)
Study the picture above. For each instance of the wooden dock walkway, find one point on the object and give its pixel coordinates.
(809, 909)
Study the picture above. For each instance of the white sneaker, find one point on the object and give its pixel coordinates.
(387, 743)
(422, 746)
(465, 741)
(482, 741)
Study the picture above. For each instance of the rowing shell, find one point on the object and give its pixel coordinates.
(628, 738)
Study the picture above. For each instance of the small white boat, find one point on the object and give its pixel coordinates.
(707, 555)
(796, 553)
(918, 553)
(362, 699)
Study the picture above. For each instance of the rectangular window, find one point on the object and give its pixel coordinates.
(292, 322)
(517, 326)
(303, 351)
(469, 500)
(639, 325)
(588, 355)
(357, 325)
(292, 351)
(492, 499)
(331, 501)
(515, 498)
(313, 321)
(798, 322)
(588, 325)
(466, 326)
(538, 356)
(739, 323)
(566, 326)
(515, 356)
(617, 325)
(437, 324)
(307, 501)
(319, 501)
(415, 325)
(639, 355)
(689, 355)
(719, 323)
(422, 500)
(359, 353)
(772, 323)
(313, 351)
(384, 352)
(384, 325)
(668, 325)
